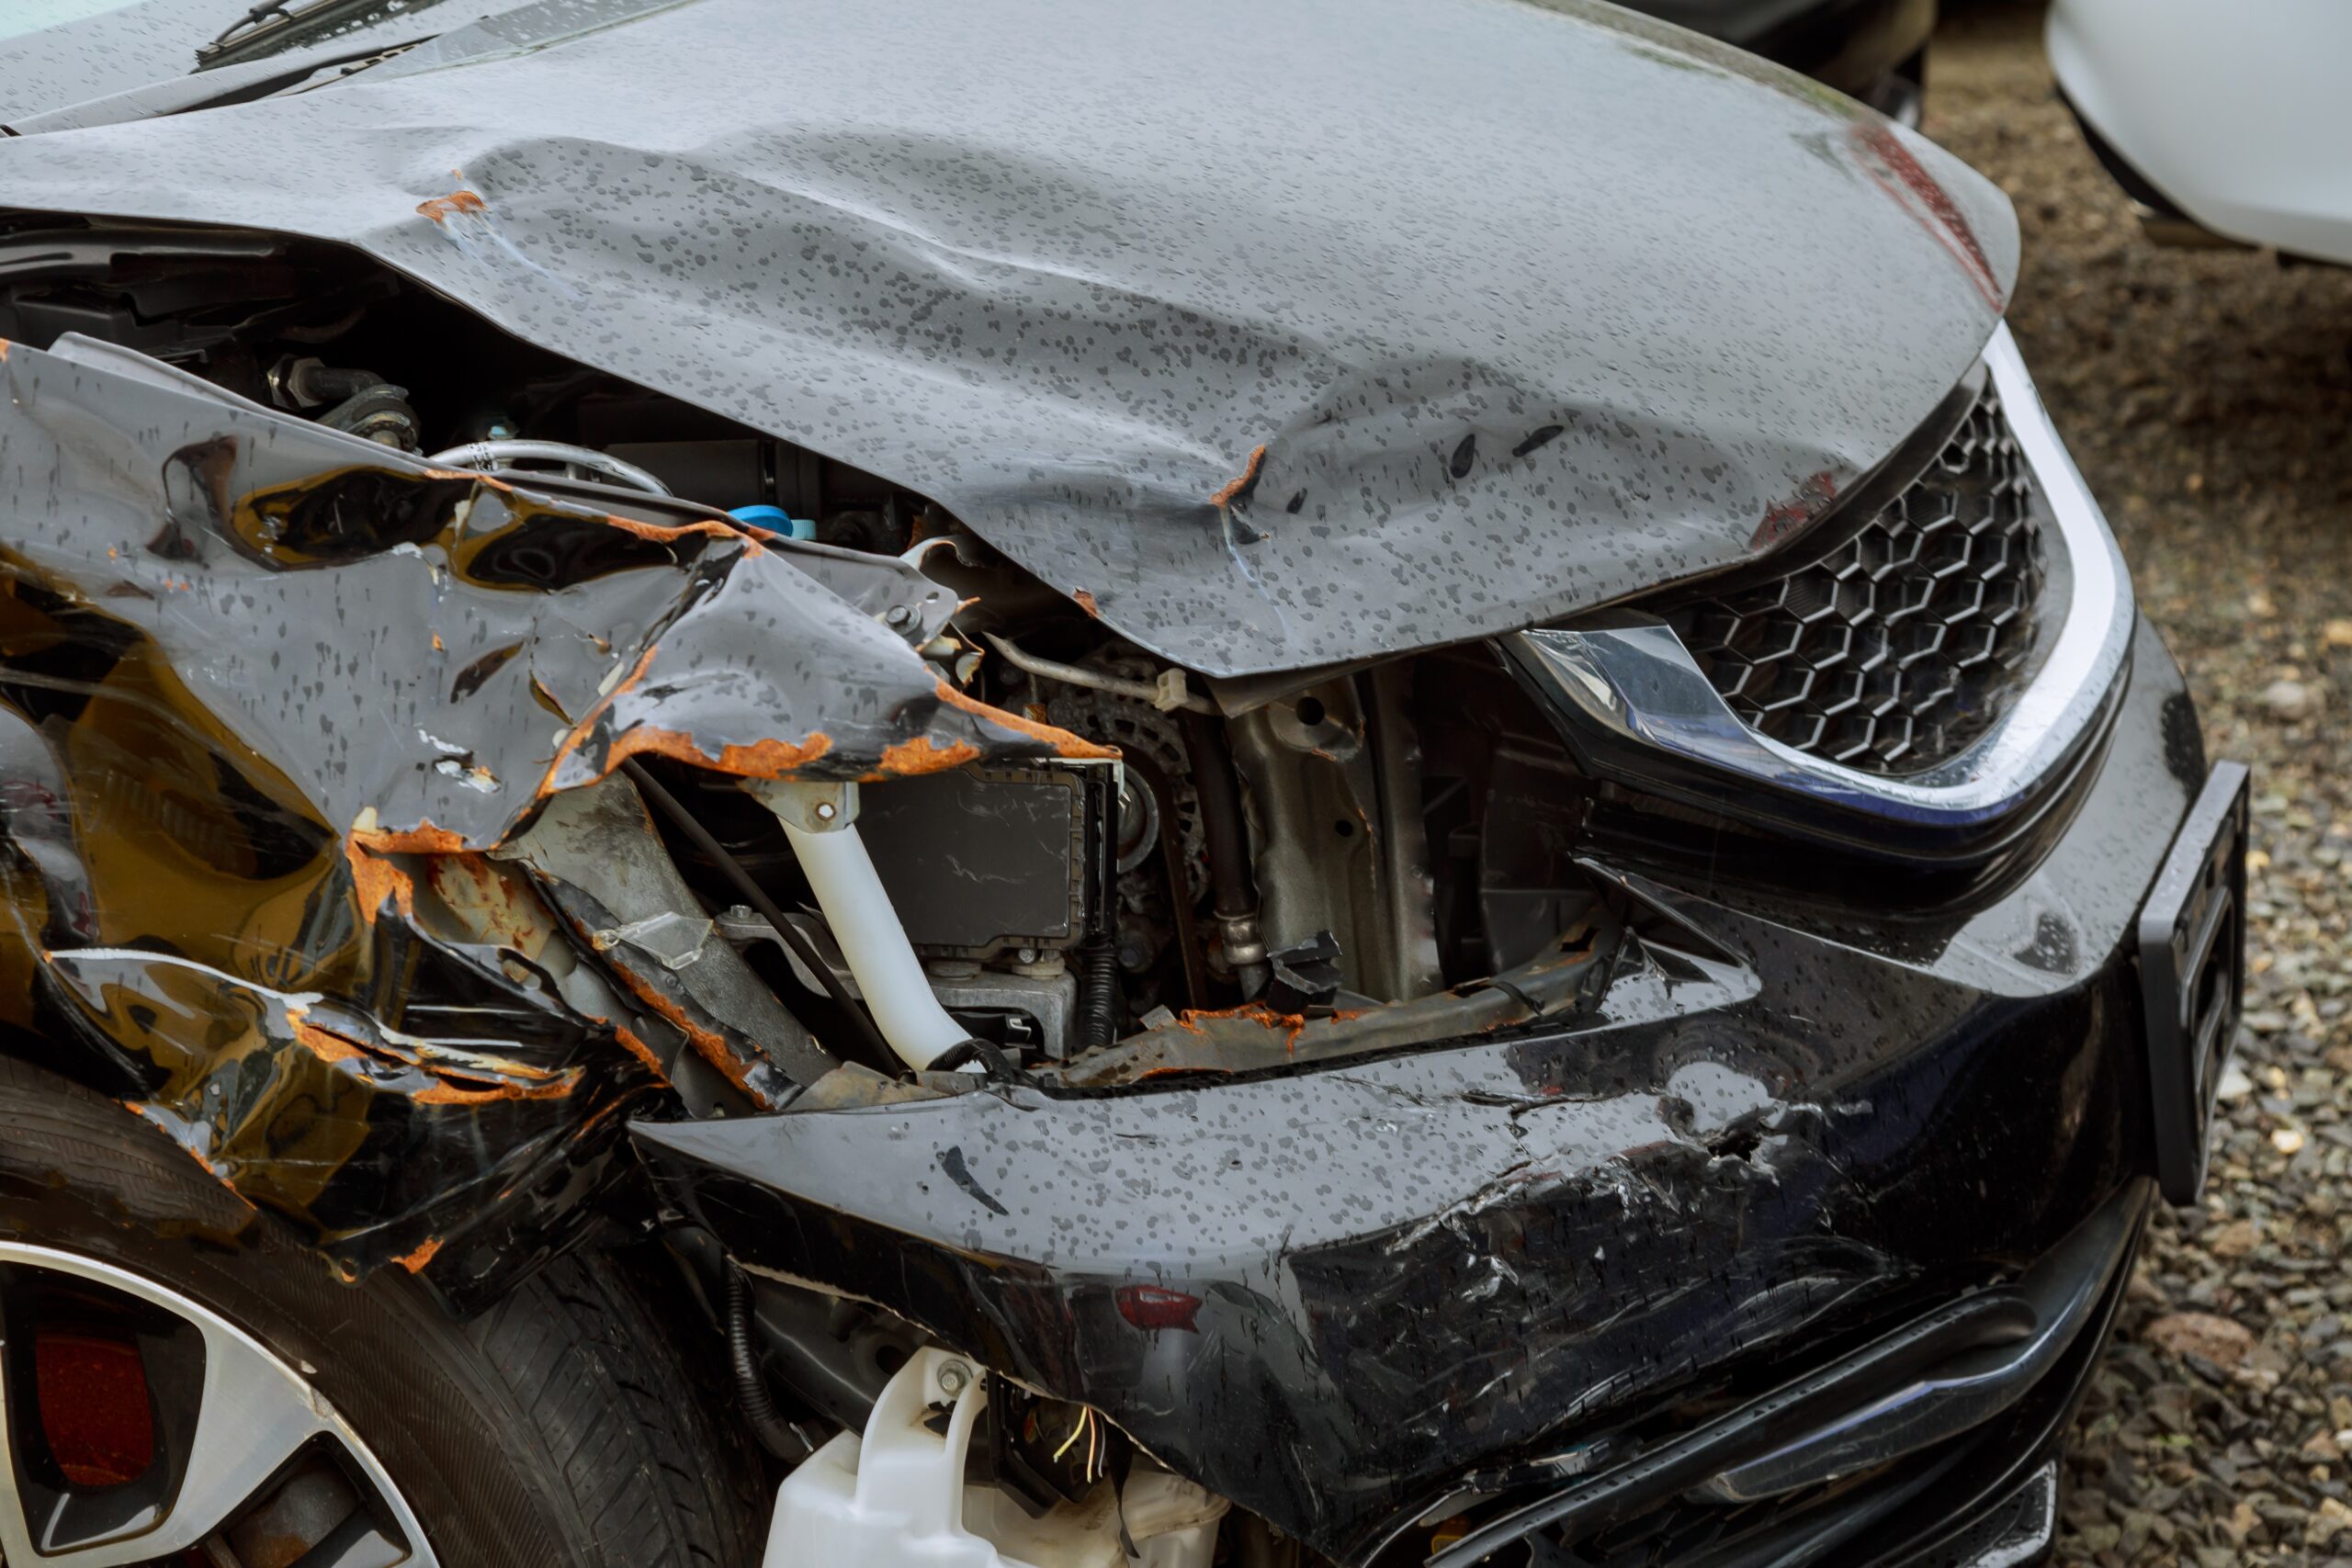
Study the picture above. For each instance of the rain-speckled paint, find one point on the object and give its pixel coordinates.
(1289, 333)
(1391, 1277)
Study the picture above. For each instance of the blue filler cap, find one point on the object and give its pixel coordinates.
(775, 520)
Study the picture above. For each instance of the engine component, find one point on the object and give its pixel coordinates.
(988, 1003)
(379, 413)
(1227, 833)
(983, 862)
(897, 1498)
(1305, 977)
(1167, 693)
(305, 381)
(819, 820)
(1159, 811)
(821, 974)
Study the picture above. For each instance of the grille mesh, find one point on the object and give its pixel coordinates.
(1903, 645)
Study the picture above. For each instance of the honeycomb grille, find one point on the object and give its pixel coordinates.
(1899, 648)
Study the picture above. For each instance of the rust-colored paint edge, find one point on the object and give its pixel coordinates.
(1064, 743)
(910, 759)
(669, 533)
(708, 1044)
(414, 1262)
(374, 878)
(1239, 487)
(441, 209)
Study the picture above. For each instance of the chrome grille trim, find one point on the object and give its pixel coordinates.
(1630, 682)
(1900, 646)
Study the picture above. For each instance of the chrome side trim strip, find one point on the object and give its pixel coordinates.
(1636, 683)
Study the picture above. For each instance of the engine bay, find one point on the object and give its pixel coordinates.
(1274, 858)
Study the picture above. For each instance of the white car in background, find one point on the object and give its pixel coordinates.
(2224, 124)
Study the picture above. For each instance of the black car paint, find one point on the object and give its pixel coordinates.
(1586, 307)
(270, 692)
(1404, 1271)
(1578, 305)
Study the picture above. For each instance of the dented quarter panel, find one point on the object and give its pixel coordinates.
(1278, 335)
(1369, 1283)
(269, 694)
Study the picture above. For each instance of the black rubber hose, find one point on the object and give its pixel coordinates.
(1218, 789)
(764, 906)
(1233, 889)
(751, 1394)
(1098, 979)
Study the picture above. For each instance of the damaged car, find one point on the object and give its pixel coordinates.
(1201, 785)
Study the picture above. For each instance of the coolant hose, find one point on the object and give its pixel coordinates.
(874, 944)
(756, 898)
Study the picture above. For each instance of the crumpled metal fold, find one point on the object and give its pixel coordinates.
(264, 688)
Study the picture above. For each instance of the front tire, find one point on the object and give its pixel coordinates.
(562, 1427)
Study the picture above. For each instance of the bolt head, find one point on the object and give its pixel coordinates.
(899, 615)
(954, 1377)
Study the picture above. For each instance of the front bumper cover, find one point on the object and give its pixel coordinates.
(1341, 1296)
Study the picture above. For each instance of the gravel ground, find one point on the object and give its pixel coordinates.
(2207, 397)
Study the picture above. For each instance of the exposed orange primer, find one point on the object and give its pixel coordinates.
(438, 646)
(329, 1046)
(1258, 1013)
(4, 348)
(440, 208)
(423, 839)
(446, 1093)
(513, 917)
(1236, 488)
(1064, 743)
(1085, 602)
(761, 759)
(580, 731)
(668, 533)
(487, 480)
(708, 1044)
(909, 759)
(414, 1262)
(1789, 517)
(635, 1047)
(375, 879)
(325, 1043)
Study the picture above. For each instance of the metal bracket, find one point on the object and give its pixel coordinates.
(813, 807)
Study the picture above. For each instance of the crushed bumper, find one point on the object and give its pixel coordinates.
(1346, 1297)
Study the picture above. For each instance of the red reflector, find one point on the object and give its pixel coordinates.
(94, 1408)
(1148, 1306)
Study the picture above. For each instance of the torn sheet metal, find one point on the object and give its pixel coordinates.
(267, 692)
(1578, 305)
(1336, 1292)
(1337, 1296)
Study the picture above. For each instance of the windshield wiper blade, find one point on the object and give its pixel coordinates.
(275, 25)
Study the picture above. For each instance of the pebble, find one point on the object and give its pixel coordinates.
(2159, 365)
(2289, 699)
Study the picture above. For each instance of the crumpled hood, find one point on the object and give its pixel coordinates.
(1276, 336)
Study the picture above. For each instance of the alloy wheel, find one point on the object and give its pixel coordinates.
(138, 1426)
